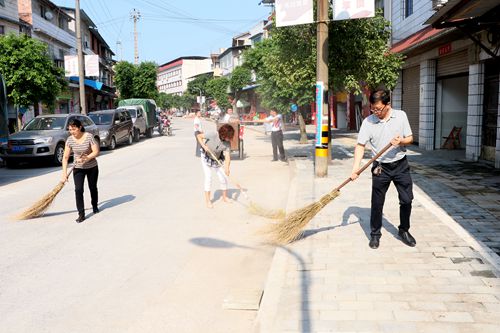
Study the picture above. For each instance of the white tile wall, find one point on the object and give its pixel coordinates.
(474, 111)
(427, 104)
(402, 26)
(396, 100)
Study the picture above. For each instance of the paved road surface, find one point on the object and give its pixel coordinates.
(154, 260)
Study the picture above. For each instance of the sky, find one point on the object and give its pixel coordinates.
(168, 29)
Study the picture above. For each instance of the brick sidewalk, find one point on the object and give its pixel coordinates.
(331, 281)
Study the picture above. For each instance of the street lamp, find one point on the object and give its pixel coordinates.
(201, 100)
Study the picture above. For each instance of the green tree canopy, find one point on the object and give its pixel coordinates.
(145, 80)
(217, 89)
(200, 82)
(30, 74)
(136, 81)
(124, 79)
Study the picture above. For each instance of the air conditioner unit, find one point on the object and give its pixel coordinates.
(437, 4)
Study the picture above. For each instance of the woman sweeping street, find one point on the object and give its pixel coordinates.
(85, 150)
(213, 149)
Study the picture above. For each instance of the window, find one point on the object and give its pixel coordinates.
(60, 22)
(408, 7)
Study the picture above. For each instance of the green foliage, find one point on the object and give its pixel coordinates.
(145, 80)
(217, 88)
(30, 75)
(136, 81)
(359, 55)
(285, 66)
(193, 87)
(124, 79)
(240, 77)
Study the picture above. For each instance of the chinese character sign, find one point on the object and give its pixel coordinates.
(293, 12)
(352, 9)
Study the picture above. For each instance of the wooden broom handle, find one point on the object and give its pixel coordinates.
(364, 167)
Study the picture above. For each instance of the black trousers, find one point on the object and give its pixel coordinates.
(277, 142)
(399, 173)
(79, 177)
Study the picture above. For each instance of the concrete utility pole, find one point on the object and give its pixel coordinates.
(321, 165)
(119, 49)
(81, 71)
(135, 15)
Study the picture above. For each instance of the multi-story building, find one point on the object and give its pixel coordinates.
(173, 76)
(99, 89)
(50, 25)
(450, 77)
(9, 18)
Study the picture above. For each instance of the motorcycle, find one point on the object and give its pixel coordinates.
(166, 126)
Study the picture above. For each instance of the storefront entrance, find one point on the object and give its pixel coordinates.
(490, 110)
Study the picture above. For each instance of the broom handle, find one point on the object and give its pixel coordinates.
(364, 167)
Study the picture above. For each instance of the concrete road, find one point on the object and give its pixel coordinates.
(154, 259)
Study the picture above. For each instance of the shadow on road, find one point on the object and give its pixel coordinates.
(116, 201)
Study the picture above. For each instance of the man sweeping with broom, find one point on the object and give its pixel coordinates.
(387, 125)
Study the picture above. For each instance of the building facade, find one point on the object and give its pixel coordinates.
(173, 76)
(451, 73)
(9, 17)
(100, 91)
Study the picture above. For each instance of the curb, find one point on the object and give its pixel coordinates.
(268, 309)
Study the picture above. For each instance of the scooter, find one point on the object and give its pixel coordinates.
(167, 126)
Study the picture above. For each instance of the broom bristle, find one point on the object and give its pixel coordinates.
(39, 207)
(258, 210)
(291, 227)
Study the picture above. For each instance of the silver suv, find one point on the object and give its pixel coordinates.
(43, 137)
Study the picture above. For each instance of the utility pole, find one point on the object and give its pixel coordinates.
(135, 15)
(81, 71)
(323, 128)
(119, 49)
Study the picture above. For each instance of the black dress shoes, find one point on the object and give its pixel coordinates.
(374, 242)
(95, 210)
(81, 218)
(407, 238)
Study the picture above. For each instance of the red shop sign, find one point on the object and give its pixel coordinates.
(445, 49)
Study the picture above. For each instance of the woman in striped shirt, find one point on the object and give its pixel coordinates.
(85, 150)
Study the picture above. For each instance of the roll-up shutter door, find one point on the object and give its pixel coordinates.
(453, 64)
(411, 96)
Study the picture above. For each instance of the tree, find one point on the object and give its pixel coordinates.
(359, 55)
(217, 89)
(145, 80)
(124, 79)
(200, 82)
(136, 81)
(30, 74)
(285, 67)
(240, 78)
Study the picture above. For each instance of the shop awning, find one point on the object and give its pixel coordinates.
(457, 11)
(89, 83)
(423, 36)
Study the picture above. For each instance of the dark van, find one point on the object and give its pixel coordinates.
(115, 127)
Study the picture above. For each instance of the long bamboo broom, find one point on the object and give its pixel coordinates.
(291, 227)
(253, 207)
(39, 207)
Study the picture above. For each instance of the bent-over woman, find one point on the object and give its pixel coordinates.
(215, 145)
(85, 150)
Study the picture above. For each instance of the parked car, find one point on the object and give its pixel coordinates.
(115, 127)
(179, 113)
(138, 119)
(43, 137)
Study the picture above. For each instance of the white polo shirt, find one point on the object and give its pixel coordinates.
(380, 132)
